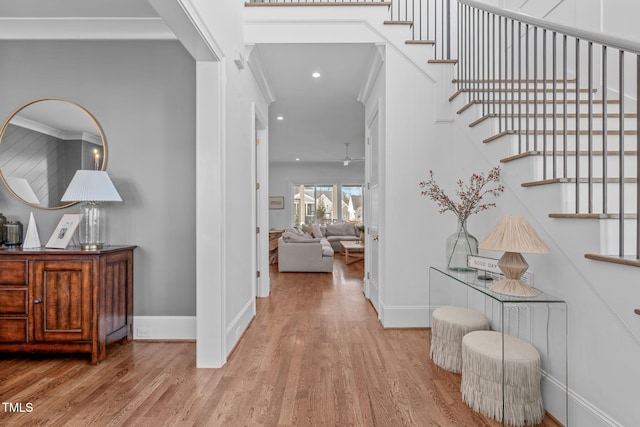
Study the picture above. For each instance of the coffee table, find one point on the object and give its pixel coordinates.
(353, 250)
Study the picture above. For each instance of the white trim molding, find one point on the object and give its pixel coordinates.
(404, 316)
(188, 25)
(238, 325)
(85, 29)
(164, 327)
(255, 65)
(376, 61)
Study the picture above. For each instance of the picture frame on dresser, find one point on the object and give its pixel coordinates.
(63, 232)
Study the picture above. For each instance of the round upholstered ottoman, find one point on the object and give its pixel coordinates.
(481, 385)
(448, 327)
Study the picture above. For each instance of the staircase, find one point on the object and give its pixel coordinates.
(534, 83)
(530, 85)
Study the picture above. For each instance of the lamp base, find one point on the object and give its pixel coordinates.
(513, 266)
(514, 287)
(92, 228)
(91, 246)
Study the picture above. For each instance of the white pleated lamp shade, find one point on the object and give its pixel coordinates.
(514, 234)
(91, 186)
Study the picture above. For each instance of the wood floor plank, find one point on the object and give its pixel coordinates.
(315, 354)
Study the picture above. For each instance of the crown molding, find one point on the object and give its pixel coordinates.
(56, 133)
(376, 60)
(185, 21)
(253, 59)
(85, 29)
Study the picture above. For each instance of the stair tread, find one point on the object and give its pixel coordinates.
(557, 132)
(420, 42)
(569, 153)
(628, 260)
(573, 181)
(591, 216)
(289, 4)
(527, 89)
(512, 81)
(531, 101)
(442, 61)
(398, 22)
(543, 101)
(544, 116)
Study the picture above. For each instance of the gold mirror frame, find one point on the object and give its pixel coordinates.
(16, 113)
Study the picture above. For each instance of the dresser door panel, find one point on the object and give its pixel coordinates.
(116, 298)
(62, 300)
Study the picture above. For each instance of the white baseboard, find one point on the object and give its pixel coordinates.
(237, 327)
(164, 327)
(411, 316)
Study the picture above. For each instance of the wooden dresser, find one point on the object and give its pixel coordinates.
(274, 235)
(68, 300)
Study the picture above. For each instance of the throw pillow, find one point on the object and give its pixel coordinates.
(294, 230)
(341, 230)
(307, 229)
(317, 231)
(293, 236)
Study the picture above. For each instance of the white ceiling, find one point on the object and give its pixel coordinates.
(320, 115)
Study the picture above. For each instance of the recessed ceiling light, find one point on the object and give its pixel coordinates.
(315, 75)
(297, 159)
(279, 118)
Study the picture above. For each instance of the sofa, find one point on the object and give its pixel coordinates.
(335, 233)
(300, 251)
(308, 248)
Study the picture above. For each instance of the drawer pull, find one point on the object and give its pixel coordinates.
(37, 301)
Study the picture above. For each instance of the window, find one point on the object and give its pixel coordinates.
(323, 203)
(352, 203)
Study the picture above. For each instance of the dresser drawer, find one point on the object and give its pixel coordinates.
(13, 273)
(13, 301)
(13, 330)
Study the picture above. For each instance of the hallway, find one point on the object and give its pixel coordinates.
(314, 355)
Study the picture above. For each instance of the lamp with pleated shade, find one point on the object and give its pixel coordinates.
(93, 187)
(514, 235)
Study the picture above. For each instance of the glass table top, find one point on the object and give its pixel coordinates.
(471, 279)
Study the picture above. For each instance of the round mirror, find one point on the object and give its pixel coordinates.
(42, 144)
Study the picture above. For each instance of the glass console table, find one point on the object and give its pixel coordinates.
(541, 320)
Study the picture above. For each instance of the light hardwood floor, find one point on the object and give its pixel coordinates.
(314, 355)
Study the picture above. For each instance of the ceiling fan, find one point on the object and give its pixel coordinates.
(348, 159)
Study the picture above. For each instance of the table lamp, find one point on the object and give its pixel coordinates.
(93, 187)
(514, 235)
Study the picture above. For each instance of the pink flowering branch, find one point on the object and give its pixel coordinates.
(469, 195)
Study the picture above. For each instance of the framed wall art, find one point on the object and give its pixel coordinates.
(276, 202)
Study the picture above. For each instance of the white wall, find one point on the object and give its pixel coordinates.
(223, 20)
(613, 17)
(143, 95)
(283, 175)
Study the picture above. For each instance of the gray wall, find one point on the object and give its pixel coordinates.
(143, 95)
(283, 175)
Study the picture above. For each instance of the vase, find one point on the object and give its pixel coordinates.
(459, 245)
